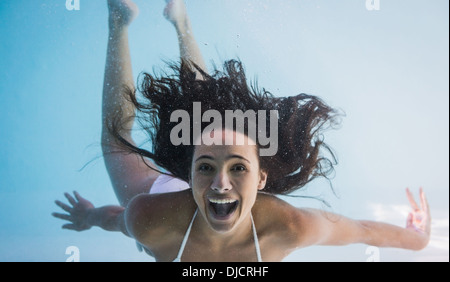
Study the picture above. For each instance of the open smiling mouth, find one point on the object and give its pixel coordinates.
(222, 208)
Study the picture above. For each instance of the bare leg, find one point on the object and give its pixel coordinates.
(118, 71)
(128, 173)
(176, 13)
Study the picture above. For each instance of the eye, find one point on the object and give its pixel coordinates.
(205, 168)
(239, 168)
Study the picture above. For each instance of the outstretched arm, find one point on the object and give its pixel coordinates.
(329, 229)
(82, 215)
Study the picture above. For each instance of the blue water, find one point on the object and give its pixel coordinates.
(387, 69)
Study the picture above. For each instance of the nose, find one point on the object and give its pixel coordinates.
(221, 183)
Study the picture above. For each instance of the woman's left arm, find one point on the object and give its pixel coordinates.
(416, 234)
(330, 229)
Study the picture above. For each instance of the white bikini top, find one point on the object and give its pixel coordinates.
(186, 236)
(166, 184)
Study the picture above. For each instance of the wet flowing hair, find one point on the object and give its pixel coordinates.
(301, 155)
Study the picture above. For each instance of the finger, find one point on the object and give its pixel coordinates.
(61, 216)
(411, 200)
(70, 199)
(69, 226)
(63, 206)
(423, 201)
(77, 196)
(409, 220)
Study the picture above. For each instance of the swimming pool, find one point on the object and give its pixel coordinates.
(385, 69)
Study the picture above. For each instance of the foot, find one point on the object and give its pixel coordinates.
(122, 12)
(175, 12)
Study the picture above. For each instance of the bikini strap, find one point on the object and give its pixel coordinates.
(186, 236)
(255, 238)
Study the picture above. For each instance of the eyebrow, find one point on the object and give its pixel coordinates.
(227, 158)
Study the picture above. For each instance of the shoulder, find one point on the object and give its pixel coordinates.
(287, 225)
(275, 209)
(275, 216)
(151, 215)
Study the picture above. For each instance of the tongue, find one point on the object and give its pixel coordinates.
(223, 209)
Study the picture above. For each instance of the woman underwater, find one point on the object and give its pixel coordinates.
(217, 199)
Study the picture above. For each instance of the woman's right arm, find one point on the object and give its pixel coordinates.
(82, 215)
(132, 221)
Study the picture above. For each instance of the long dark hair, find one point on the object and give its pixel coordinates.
(301, 155)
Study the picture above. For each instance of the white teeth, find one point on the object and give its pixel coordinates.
(222, 201)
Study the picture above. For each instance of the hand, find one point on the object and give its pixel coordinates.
(419, 220)
(78, 213)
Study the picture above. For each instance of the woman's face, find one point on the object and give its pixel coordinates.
(225, 180)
